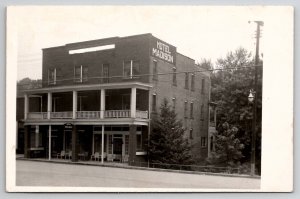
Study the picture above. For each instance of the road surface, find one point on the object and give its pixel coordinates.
(34, 173)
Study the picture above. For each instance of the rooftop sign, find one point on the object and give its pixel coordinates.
(163, 51)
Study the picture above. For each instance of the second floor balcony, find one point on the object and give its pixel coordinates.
(87, 115)
(87, 104)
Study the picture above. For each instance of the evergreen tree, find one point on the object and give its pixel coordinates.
(167, 143)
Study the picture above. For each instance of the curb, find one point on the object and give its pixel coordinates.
(141, 168)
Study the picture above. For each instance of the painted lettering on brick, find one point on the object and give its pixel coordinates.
(164, 51)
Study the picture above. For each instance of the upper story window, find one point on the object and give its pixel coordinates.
(105, 73)
(185, 108)
(154, 102)
(174, 103)
(52, 76)
(131, 68)
(155, 76)
(191, 133)
(212, 115)
(203, 142)
(202, 112)
(80, 73)
(193, 82)
(203, 86)
(174, 76)
(192, 110)
(186, 82)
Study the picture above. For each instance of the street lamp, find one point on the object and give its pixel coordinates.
(251, 96)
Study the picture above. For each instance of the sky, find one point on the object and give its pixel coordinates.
(197, 32)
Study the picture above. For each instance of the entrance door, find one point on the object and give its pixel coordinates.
(118, 146)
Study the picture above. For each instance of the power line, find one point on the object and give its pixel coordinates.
(161, 74)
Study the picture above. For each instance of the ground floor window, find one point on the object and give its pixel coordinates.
(203, 141)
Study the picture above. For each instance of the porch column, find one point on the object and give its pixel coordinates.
(102, 145)
(133, 103)
(132, 144)
(26, 106)
(74, 104)
(26, 140)
(49, 106)
(102, 103)
(74, 144)
(49, 140)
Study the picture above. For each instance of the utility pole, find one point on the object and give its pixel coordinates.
(258, 23)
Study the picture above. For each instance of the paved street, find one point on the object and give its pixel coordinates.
(32, 173)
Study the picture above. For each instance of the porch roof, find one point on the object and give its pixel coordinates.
(119, 85)
(107, 121)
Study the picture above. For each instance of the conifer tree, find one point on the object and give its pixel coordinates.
(167, 142)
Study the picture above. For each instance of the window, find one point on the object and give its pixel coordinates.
(131, 68)
(105, 73)
(174, 76)
(174, 103)
(80, 73)
(202, 112)
(192, 111)
(154, 102)
(203, 141)
(212, 115)
(193, 82)
(155, 76)
(191, 133)
(211, 143)
(139, 142)
(52, 76)
(186, 84)
(203, 86)
(185, 108)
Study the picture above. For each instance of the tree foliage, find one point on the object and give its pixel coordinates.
(230, 90)
(27, 83)
(228, 147)
(167, 143)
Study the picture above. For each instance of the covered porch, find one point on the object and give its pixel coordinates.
(99, 143)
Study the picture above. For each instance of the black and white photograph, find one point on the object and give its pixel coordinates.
(147, 98)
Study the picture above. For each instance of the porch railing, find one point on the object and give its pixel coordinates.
(61, 115)
(88, 114)
(37, 115)
(117, 113)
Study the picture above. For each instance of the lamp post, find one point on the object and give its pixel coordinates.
(252, 98)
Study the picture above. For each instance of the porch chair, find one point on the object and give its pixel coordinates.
(69, 155)
(110, 157)
(61, 154)
(125, 158)
(95, 156)
(104, 155)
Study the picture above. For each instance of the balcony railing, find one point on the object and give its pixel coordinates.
(61, 115)
(87, 114)
(117, 114)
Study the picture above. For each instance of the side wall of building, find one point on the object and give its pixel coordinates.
(196, 127)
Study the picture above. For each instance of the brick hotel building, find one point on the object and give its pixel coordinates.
(98, 97)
